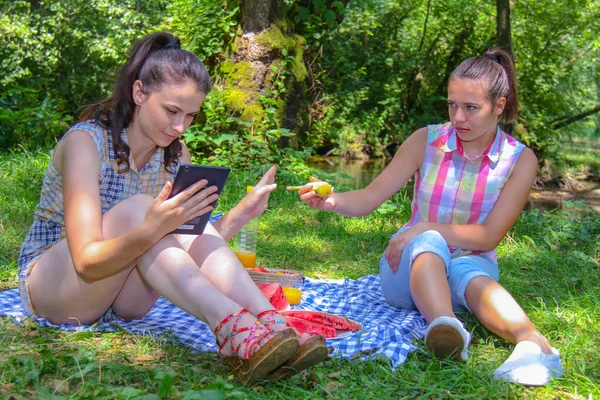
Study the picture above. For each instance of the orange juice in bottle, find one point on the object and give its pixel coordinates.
(248, 259)
(245, 241)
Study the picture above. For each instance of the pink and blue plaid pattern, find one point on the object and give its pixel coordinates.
(451, 188)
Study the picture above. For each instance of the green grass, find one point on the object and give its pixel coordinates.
(549, 262)
(578, 158)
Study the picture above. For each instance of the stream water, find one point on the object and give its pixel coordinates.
(359, 173)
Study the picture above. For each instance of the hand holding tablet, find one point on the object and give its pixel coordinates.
(187, 175)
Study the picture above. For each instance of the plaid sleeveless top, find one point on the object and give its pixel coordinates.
(49, 220)
(451, 188)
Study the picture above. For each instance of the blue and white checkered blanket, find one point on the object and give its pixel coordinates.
(385, 330)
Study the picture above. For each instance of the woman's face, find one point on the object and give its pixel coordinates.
(472, 114)
(164, 114)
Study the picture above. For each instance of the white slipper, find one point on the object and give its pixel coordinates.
(528, 365)
(447, 337)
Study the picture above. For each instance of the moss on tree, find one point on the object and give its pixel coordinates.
(247, 74)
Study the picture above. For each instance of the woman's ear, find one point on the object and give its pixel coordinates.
(138, 95)
(499, 106)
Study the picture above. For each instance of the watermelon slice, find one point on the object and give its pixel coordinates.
(330, 320)
(274, 293)
(304, 326)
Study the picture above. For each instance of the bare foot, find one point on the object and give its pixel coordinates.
(273, 320)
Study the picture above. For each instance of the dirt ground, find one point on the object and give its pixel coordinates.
(586, 192)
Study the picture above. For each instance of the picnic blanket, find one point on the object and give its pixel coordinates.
(386, 330)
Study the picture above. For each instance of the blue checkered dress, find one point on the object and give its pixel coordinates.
(49, 223)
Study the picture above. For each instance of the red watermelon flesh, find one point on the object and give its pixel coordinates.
(333, 321)
(304, 326)
(274, 293)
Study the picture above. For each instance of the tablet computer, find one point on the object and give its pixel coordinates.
(187, 175)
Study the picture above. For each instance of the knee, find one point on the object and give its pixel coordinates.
(433, 237)
(127, 214)
(429, 243)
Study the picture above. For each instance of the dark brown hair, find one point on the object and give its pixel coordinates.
(496, 71)
(155, 60)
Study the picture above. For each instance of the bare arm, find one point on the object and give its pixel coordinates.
(250, 207)
(406, 162)
(94, 256)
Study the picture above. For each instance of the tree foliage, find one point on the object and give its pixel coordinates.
(387, 66)
(557, 48)
(59, 56)
(206, 27)
(388, 63)
(373, 70)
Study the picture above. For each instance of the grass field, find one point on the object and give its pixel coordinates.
(549, 261)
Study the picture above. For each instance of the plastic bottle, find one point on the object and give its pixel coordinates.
(245, 241)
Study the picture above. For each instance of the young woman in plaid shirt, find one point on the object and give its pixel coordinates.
(99, 246)
(471, 183)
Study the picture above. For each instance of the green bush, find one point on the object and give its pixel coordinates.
(206, 27)
(57, 57)
(25, 122)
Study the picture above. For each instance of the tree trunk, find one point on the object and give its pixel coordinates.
(258, 15)
(503, 38)
(265, 73)
(504, 41)
(597, 82)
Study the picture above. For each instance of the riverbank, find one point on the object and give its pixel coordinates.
(586, 195)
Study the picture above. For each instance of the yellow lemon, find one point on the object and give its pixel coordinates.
(323, 189)
(293, 295)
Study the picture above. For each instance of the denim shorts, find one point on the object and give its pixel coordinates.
(459, 271)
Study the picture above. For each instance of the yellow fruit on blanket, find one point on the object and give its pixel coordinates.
(293, 295)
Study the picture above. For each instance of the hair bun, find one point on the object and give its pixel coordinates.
(165, 41)
(493, 57)
(173, 45)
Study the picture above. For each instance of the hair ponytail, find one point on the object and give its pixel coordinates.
(155, 60)
(497, 72)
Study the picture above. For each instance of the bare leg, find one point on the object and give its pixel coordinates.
(224, 270)
(429, 287)
(170, 269)
(501, 314)
(167, 269)
(58, 293)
